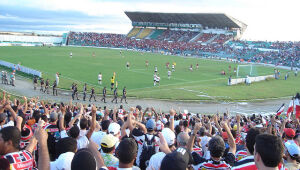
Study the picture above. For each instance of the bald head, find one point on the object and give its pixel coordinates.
(182, 139)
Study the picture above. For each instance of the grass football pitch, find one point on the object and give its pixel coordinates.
(203, 84)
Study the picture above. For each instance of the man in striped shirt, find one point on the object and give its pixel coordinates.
(216, 147)
(247, 161)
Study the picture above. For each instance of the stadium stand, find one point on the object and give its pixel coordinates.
(189, 37)
(133, 32)
(156, 33)
(144, 33)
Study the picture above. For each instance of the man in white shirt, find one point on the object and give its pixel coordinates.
(100, 78)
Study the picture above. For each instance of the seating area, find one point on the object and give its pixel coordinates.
(222, 38)
(178, 44)
(144, 33)
(133, 32)
(205, 37)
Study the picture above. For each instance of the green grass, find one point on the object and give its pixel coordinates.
(203, 84)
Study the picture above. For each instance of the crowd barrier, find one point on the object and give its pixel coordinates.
(252, 79)
(21, 68)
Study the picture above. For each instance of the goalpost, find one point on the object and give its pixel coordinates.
(244, 70)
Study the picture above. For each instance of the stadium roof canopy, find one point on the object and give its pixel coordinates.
(210, 20)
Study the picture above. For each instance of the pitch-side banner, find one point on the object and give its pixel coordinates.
(21, 68)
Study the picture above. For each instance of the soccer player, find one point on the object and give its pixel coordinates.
(54, 88)
(157, 79)
(71, 54)
(57, 78)
(197, 66)
(191, 67)
(112, 83)
(229, 68)
(42, 84)
(115, 96)
(128, 65)
(173, 67)
(169, 74)
(154, 78)
(147, 64)
(124, 95)
(100, 78)
(93, 94)
(47, 86)
(84, 91)
(167, 65)
(155, 69)
(104, 95)
(94, 55)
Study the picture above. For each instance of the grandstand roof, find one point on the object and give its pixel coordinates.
(211, 20)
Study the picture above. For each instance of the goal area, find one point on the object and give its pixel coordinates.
(244, 70)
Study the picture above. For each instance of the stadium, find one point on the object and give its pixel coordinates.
(209, 40)
(178, 91)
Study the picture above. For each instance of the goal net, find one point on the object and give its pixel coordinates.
(244, 70)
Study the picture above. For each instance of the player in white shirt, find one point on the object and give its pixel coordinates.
(157, 79)
(154, 77)
(71, 54)
(169, 74)
(57, 78)
(128, 65)
(155, 69)
(100, 78)
(191, 67)
(173, 67)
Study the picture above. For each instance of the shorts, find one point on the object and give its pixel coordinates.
(112, 84)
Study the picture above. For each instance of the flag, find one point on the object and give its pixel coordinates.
(297, 108)
(290, 108)
(280, 110)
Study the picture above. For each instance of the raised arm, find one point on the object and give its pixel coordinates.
(191, 141)
(172, 113)
(44, 159)
(231, 140)
(93, 125)
(238, 120)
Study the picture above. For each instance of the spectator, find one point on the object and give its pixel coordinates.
(268, 152)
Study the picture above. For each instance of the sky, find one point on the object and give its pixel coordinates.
(267, 20)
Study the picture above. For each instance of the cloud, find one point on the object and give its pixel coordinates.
(266, 19)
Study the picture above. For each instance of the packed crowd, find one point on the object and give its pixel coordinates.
(36, 134)
(279, 53)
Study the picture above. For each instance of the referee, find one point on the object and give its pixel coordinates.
(115, 95)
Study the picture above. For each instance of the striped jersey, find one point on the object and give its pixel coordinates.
(20, 160)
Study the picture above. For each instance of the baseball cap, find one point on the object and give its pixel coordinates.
(108, 141)
(176, 160)
(169, 135)
(53, 116)
(114, 128)
(150, 124)
(159, 125)
(293, 149)
(235, 127)
(289, 132)
(164, 120)
(224, 135)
